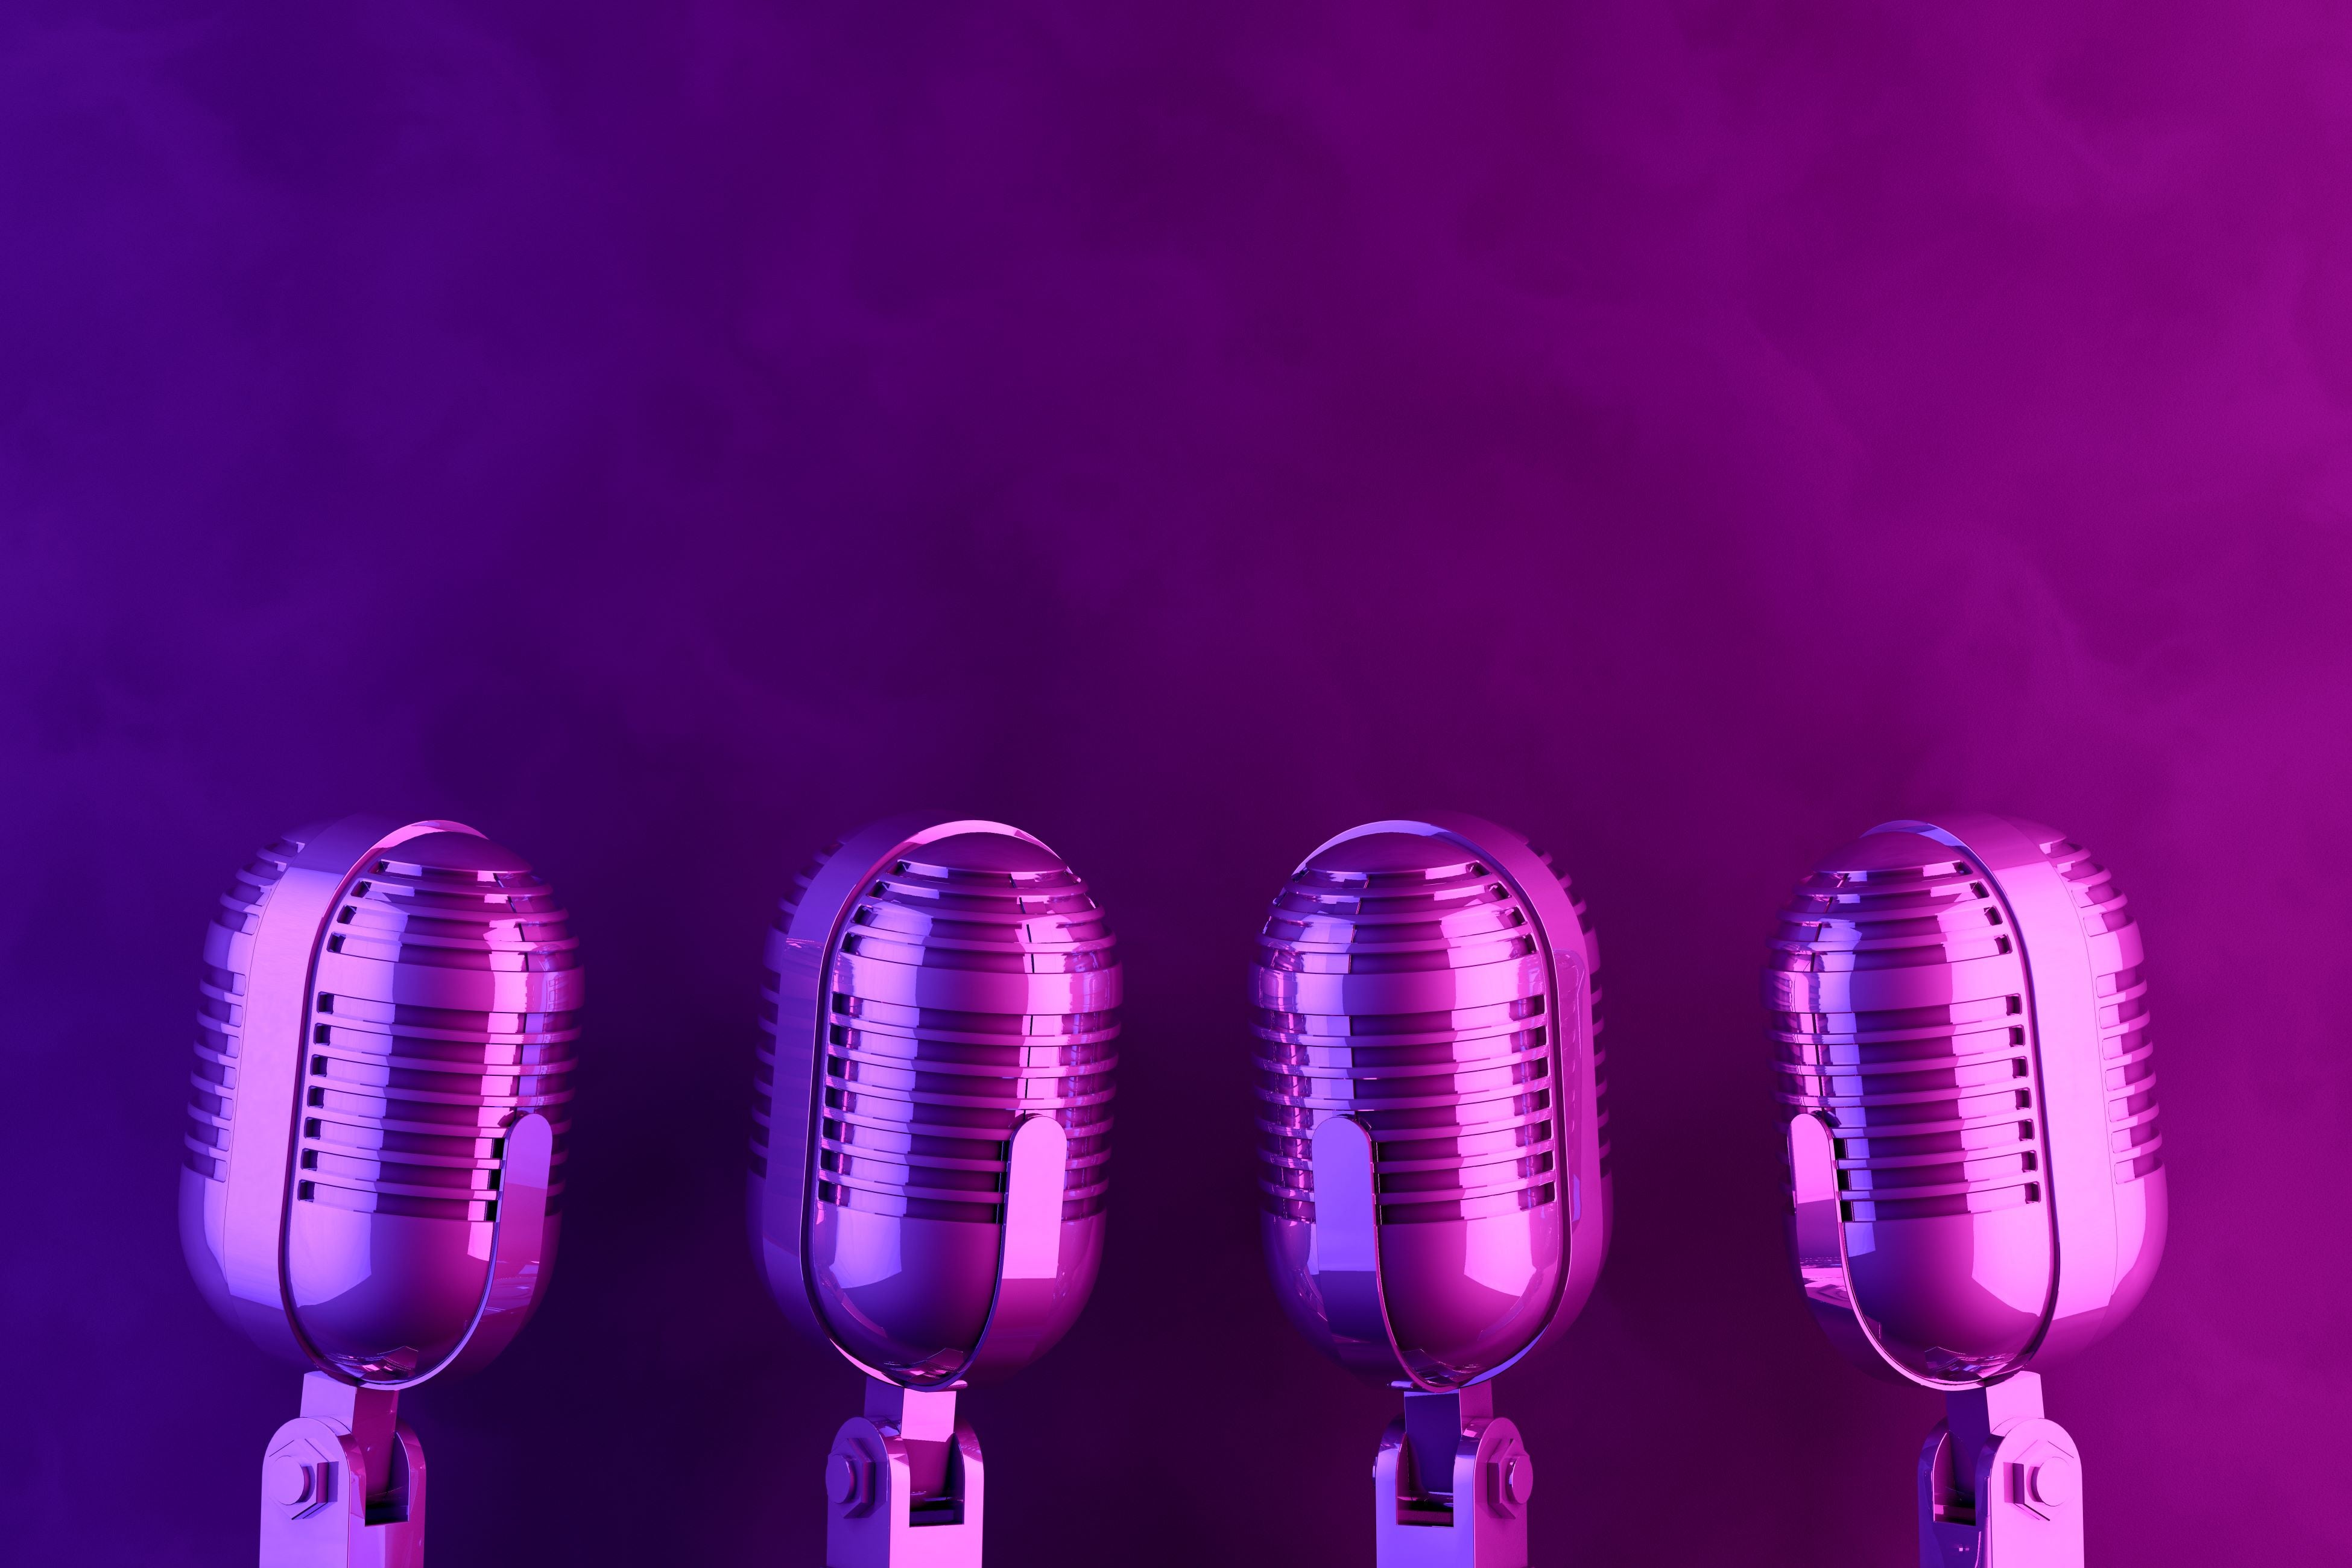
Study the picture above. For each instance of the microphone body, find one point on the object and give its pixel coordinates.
(932, 1123)
(1976, 1169)
(370, 1184)
(1433, 1147)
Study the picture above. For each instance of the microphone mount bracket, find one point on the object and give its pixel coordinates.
(343, 1484)
(2000, 1485)
(904, 1485)
(1450, 1485)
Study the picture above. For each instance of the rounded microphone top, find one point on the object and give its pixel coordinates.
(931, 1142)
(386, 1031)
(1960, 1016)
(1432, 1138)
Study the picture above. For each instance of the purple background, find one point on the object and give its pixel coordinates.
(666, 435)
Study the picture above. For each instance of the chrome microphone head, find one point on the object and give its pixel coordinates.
(1432, 1145)
(1975, 1176)
(1431, 983)
(931, 1128)
(1961, 1018)
(385, 1037)
(384, 1043)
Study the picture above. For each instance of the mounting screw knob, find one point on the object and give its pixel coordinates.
(841, 1478)
(2056, 1480)
(288, 1480)
(1518, 1479)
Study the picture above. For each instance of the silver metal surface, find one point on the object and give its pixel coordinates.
(370, 1181)
(1431, 1122)
(1960, 1014)
(930, 1149)
(2000, 1485)
(905, 1487)
(1433, 1144)
(1976, 1167)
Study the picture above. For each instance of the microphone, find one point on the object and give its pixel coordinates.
(384, 1043)
(1976, 1173)
(1433, 1149)
(930, 1129)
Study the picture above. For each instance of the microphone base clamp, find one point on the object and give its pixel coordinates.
(1450, 1486)
(343, 1484)
(2000, 1485)
(904, 1484)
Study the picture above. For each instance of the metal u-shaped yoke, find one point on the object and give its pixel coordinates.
(1452, 1480)
(343, 1484)
(904, 1486)
(2000, 1485)
(904, 1483)
(1450, 1485)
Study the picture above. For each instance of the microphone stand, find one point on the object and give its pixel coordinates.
(903, 1485)
(2001, 1485)
(1450, 1485)
(343, 1484)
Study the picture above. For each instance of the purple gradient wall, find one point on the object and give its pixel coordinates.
(665, 434)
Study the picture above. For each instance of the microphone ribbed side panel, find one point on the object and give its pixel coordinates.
(404, 1104)
(220, 1015)
(1460, 1101)
(1932, 1104)
(1592, 939)
(919, 1101)
(2124, 1051)
(763, 1071)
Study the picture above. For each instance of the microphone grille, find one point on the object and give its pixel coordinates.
(220, 1012)
(2135, 1139)
(1932, 1103)
(1459, 1099)
(918, 1100)
(401, 1103)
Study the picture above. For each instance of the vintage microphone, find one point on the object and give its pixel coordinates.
(1976, 1173)
(384, 1040)
(932, 1120)
(1434, 1150)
